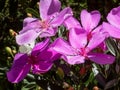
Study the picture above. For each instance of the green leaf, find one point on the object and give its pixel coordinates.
(33, 12)
(112, 46)
(90, 79)
(111, 84)
(30, 85)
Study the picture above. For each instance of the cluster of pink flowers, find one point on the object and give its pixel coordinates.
(83, 38)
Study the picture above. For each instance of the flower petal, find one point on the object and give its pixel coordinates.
(113, 31)
(48, 32)
(48, 7)
(77, 38)
(46, 59)
(59, 19)
(97, 38)
(26, 37)
(41, 67)
(100, 58)
(49, 54)
(19, 69)
(28, 20)
(95, 16)
(71, 22)
(89, 20)
(62, 47)
(54, 7)
(30, 24)
(39, 47)
(103, 46)
(74, 59)
(114, 17)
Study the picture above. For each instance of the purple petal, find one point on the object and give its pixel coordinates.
(48, 32)
(113, 31)
(49, 55)
(28, 20)
(30, 24)
(114, 17)
(103, 46)
(95, 16)
(54, 7)
(97, 38)
(59, 19)
(74, 59)
(41, 67)
(71, 22)
(19, 69)
(39, 47)
(89, 20)
(26, 37)
(45, 60)
(100, 58)
(62, 47)
(77, 38)
(48, 7)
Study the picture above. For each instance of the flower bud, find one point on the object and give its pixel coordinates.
(8, 50)
(95, 88)
(12, 32)
(14, 51)
(29, 14)
(38, 3)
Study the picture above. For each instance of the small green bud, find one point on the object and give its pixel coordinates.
(8, 50)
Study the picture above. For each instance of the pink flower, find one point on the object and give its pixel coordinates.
(89, 21)
(51, 18)
(113, 27)
(79, 49)
(39, 61)
(89, 24)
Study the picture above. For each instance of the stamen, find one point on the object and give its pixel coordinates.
(44, 24)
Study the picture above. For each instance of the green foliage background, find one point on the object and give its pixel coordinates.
(12, 13)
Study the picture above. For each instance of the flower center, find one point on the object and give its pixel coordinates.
(83, 52)
(44, 24)
(32, 59)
